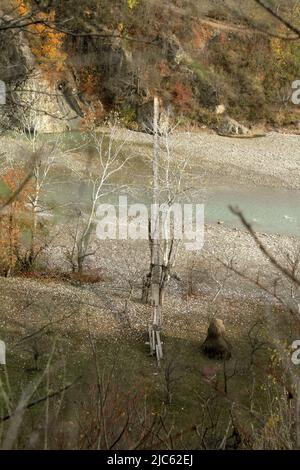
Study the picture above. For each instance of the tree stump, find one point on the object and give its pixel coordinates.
(216, 345)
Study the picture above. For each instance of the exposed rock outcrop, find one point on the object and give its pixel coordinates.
(34, 103)
(16, 58)
(31, 101)
(145, 117)
(230, 127)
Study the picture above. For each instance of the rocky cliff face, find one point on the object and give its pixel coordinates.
(31, 100)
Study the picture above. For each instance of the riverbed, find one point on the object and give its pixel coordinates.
(261, 176)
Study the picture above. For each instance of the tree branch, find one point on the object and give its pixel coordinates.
(40, 400)
(289, 274)
(278, 17)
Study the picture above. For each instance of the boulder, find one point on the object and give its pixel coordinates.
(220, 109)
(216, 346)
(230, 127)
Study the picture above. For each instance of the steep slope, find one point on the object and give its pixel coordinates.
(200, 59)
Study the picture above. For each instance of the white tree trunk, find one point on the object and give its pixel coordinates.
(154, 330)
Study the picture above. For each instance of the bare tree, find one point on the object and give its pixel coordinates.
(48, 155)
(109, 156)
(171, 185)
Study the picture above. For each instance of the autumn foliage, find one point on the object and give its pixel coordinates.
(13, 221)
(183, 97)
(90, 86)
(46, 43)
(202, 35)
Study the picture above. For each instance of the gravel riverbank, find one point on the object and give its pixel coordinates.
(273, 160)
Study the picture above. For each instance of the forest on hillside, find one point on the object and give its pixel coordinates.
(119, 53)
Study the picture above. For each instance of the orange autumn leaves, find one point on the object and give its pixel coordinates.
(90, 85)
(183, 96)
(46, 43)
(13, 221)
